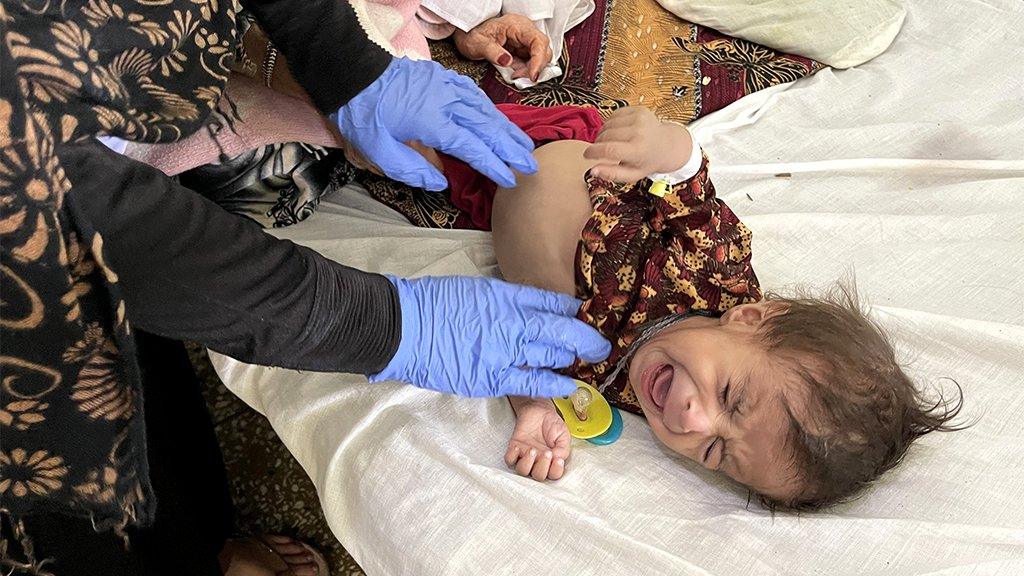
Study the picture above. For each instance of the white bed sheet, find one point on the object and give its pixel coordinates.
(908, 171)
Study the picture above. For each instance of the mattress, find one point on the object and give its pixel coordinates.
(906, 172)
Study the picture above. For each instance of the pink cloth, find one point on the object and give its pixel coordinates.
(270, 117)
(394, 22)
(265, 117)
(433, 26)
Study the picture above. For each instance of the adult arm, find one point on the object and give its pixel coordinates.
(190, 270)
(327, 50)
(384, 102)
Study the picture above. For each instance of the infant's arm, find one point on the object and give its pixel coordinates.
(520, 402)
(540, 442)
(714, 247)
(536, 228)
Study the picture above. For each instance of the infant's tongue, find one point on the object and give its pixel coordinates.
(662, 385)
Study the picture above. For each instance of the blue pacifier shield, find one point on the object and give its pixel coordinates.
(613, 432)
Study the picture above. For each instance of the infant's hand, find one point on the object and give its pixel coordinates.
(634, 144)
(540, 443)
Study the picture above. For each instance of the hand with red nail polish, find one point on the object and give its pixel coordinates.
(509, 41)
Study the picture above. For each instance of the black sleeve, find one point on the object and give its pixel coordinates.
(327, 50)
(190, 270)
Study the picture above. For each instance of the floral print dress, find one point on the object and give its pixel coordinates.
(642, 257)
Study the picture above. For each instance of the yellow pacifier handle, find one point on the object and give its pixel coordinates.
(659, 188)
(598, 413)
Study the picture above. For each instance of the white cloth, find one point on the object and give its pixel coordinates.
(840, 34)
(908, 171)
(684, 172)
(552, 17)
(462, 14)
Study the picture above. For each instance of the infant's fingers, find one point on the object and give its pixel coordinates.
(625, 134)
(557, 469)
(525, 463)
(622, 117)
(558, 439)
(541, 465)
(617, 173)
(511, 455)
(612, 152)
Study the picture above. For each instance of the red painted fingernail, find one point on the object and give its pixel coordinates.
(505, 59)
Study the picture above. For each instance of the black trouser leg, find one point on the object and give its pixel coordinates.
(193, 514)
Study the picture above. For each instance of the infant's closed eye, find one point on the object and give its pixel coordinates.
(711, 451)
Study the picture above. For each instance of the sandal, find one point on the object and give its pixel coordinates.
(285, 556)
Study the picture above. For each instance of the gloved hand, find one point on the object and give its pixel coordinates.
(485, 337)
(421, 100)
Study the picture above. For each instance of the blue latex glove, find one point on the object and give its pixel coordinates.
(484, 337)
(421, 100)
(114, 143)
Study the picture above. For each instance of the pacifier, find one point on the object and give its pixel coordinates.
(659, 188)
(589, 416)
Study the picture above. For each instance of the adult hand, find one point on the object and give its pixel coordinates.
(485, 337)
(508, 41)
(421, 100)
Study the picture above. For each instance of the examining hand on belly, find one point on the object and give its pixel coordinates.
(419, 100)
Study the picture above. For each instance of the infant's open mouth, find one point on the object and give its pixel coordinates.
(661, 384)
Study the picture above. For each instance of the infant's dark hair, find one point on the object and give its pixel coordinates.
(859, 412)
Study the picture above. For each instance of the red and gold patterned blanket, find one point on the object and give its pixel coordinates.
(637, 53)
(625, 53)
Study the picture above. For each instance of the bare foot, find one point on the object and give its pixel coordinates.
(270, 556)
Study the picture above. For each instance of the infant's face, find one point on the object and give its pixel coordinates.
(710, 395)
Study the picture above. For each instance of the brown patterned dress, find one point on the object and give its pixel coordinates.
(642, 257)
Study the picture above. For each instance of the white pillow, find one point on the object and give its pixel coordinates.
(840, 33)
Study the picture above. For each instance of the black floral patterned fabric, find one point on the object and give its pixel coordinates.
(70, 409)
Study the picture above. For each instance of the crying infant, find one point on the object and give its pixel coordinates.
(802, 400)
